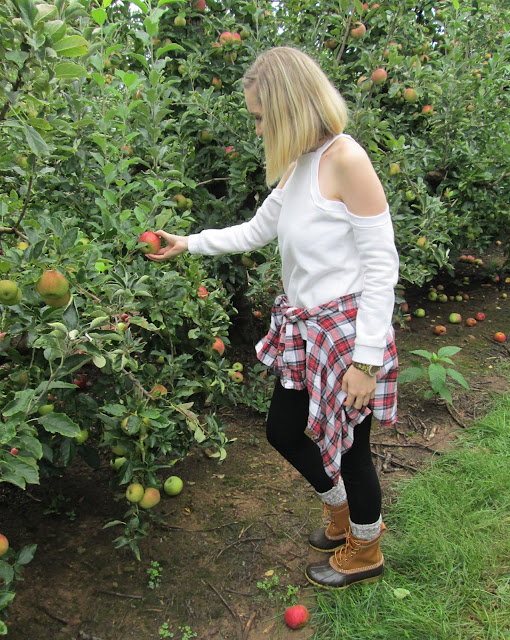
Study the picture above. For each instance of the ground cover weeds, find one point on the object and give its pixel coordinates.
(447, 552)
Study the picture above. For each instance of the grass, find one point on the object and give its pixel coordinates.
(448, 545)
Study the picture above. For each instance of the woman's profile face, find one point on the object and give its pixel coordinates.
(255, 108)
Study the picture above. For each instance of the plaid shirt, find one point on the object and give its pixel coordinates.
(331, 330)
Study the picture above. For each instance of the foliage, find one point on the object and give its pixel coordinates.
(11, 569)
(437, 375)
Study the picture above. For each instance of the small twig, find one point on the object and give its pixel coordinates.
(232, 612)
(236, 542)
(52, 615)
(86, 636)
(199, 184)
(418, 445)
(248, 625)
(169, 527)
(395, 462)
(450, 410)
(344, 42)
(14, 231)
(120, 595)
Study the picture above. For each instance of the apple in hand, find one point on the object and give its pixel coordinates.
(152, 241)
(296, 617)
(173, 485)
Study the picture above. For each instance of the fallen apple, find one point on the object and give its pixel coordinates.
(480, 316)
(135, 492)
(4, 544)
(420, 313)
(150, 498)
(470, 322)
(173, 485)
(499, 336)
(296, 616)
(455, 318)
(440, 330)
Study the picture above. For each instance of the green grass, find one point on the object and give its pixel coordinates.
(448, 544)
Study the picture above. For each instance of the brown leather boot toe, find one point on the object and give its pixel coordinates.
(334, 535)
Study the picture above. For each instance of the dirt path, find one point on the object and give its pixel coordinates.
(235, 529)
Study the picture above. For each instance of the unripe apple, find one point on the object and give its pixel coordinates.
(455, 318)
(58, 302)
(152, 241)
(82, 436)
(410, 95)
(173, 485)
(420, 313)
(117, 463)
(379, 76)
(358, 31)
(9, 292)
(4, 544)
(180, 21)
(180, 201)
(150, 498)
(442, 297)
(45, 409)
(432, 296)
(296, 617)
(237, 366)
(52, 285)
(394, 168)
(135, 492)
(205, 137)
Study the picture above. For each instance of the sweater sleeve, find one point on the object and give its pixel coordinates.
(255, 233)
(375, 242)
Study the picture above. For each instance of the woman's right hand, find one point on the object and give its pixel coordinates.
(174, 246)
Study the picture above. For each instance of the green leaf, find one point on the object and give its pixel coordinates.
(437, 376)
(141, 5)
(444, 392)
(423, 354)
(6, 572)
(26, 554)
(99, 16)
(35, 142)
(458, 377)
(20, 403)
(59, 423)
(448, 351)
(45, 11)
(71, 46)
(70, 70)
(3, 627)
(401, 593)
(55, 29)
(28, 12)
(168, 47)
(411, 374)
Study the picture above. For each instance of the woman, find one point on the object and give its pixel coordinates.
(330, 341)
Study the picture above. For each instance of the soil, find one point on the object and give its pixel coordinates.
(236, 525)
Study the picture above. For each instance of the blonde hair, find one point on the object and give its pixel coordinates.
(300, 106)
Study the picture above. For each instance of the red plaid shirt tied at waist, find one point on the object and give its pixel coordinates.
(330, 330)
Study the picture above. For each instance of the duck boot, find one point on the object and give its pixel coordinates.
(335, 534)
(356, 562)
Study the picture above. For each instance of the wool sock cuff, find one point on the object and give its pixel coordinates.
(366, 531)
(335, 496)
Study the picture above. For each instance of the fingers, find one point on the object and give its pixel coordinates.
(357, 401)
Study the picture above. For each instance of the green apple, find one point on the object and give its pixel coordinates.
(135, 492)
(432, 296)
(420, 313)
(45, 409)
(455, 318)
(117, 463)
(237, 366)
(82, 436)
(150, 498)
(173, 485)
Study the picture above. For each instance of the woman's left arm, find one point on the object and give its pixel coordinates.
(363, 195)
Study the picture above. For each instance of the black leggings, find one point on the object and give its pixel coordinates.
(285, 429)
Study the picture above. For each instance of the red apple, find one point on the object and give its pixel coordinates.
(440, 330)
(480, 316)
(202, 293)
(379, 76)
(4, 544)
(14, 451)
(80, 381)
(226, 37)
(358, 31)
(427, 110)
(216, 83)
(150, 498)
(237, 376)
(152, 241)
(470, 322)
(219, 346)
(296, 617)
(257, 314)
(499, 336)
(199, 5)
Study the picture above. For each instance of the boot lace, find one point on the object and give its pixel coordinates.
(350, 548)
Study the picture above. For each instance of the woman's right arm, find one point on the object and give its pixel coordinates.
(248, 236)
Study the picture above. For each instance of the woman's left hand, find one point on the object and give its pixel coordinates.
(359, 387)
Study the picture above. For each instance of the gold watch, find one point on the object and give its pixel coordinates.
(370, 369)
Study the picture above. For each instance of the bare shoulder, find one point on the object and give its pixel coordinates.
(286, 175)
(360, 188)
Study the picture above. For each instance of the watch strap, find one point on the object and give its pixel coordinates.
(369, 369)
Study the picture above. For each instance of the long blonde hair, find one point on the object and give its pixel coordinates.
(300, 106)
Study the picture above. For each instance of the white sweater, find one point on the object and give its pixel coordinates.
(326, 252)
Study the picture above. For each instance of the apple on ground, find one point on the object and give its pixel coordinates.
(470, 322)
(150, 498)
(499, 336)
(152, 241)
(442, 297)
(480, 316)
(432, 296)
(135, 492)
(420, 313)
(4, 544)
(455, 318)
(296, 616)
(173, 485)
(440, 330)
